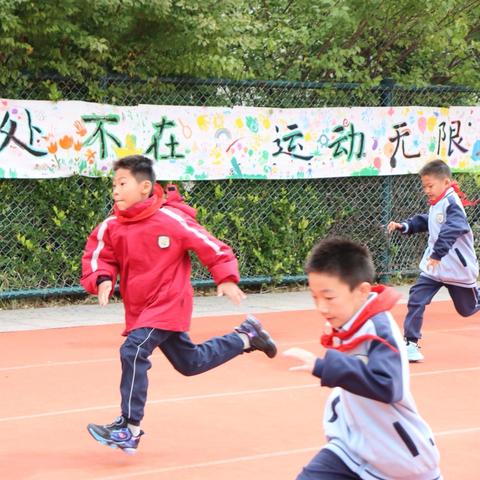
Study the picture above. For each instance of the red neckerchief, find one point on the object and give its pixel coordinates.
(143, 209)
(463, 197)
(386, 298)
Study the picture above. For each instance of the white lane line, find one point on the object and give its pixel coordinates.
(279, 344)
(250, 458)
(457, 432)
(162, 400)
(58, 364)
(216, 395)
(117, 359)
(450, 330)
(213, 463)
(441, 372)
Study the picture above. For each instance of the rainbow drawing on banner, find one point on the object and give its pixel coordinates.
(42, 139)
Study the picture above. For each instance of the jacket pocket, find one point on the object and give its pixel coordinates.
(460, 257)
(406, 438)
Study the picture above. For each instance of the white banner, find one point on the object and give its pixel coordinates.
(42, 139)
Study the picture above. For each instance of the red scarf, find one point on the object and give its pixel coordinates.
(463, 197)
(387, 297)
(143, 209)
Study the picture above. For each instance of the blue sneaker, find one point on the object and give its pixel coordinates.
(413, 352)
(259, 338)
(116, 435)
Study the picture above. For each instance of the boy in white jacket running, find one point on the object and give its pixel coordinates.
(449, 259)
(371, 422)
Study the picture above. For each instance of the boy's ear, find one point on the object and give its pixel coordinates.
(147, 187)
(365, 288)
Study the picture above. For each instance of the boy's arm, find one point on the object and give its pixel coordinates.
(379, 379)
(98, 260)
(455, 225)
(217, 256)
(415, 224)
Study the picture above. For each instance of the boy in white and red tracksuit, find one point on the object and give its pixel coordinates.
(146, 243)
(449, 259)
(371, 422)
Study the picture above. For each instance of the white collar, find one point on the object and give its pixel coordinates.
(347, 325)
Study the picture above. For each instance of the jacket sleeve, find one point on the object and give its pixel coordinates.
(380, 378)
(98, 259)
(455, 225)
(415, 224)
(217, 256)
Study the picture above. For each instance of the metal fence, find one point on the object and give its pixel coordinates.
(270, 224)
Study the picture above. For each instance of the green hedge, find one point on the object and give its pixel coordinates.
(43, 228)
(271, 225)
(44, 225)
(270, 232)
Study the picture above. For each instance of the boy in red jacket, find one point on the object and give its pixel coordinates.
(146, 242)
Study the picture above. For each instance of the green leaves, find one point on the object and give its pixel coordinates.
(363, 41)
(270, 231)
(44, 229)
(413, 42)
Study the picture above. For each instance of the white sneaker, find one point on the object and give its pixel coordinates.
(413, 352)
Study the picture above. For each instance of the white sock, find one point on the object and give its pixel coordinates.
(246, 340)
(135, 429)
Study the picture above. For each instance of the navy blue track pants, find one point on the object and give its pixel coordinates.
(325, 465)
(421, 294)
(186, 357)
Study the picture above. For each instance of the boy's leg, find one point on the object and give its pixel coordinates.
(420, 295)
(191, 359)
(134, 354)
(326, 466)
(466, 300)
(124, 432)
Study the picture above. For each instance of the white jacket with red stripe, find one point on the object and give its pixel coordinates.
(151, 256)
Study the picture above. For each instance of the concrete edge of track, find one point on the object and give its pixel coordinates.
(204, 306)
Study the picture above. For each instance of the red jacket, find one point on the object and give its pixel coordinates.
(151, 256)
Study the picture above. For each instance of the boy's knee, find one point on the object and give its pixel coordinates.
(185, 372)
(184, 366)
(305, 475)
(128, 350)
(465, 313)
(464, 309)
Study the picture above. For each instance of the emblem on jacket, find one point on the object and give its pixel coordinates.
(163, 241)
(440, 217)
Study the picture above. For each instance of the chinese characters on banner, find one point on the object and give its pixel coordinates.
(41, 139)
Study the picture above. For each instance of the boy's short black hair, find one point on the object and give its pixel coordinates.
(350, 261)
(436, 168)
(139, 166)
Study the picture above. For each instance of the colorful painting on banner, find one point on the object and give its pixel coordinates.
(41, 139)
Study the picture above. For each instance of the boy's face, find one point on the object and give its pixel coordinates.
(434, 186)
(334, 299)
(127, 190)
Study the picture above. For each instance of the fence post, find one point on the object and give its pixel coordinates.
(386, 99)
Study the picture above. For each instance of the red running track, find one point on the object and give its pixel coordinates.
(250, 418)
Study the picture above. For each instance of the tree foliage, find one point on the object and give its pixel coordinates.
(362, 41)
(366, 40)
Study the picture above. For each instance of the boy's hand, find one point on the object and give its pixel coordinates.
(232, 291)
(432, 264)
(104, 292)
(392, 226)
(308, 359)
